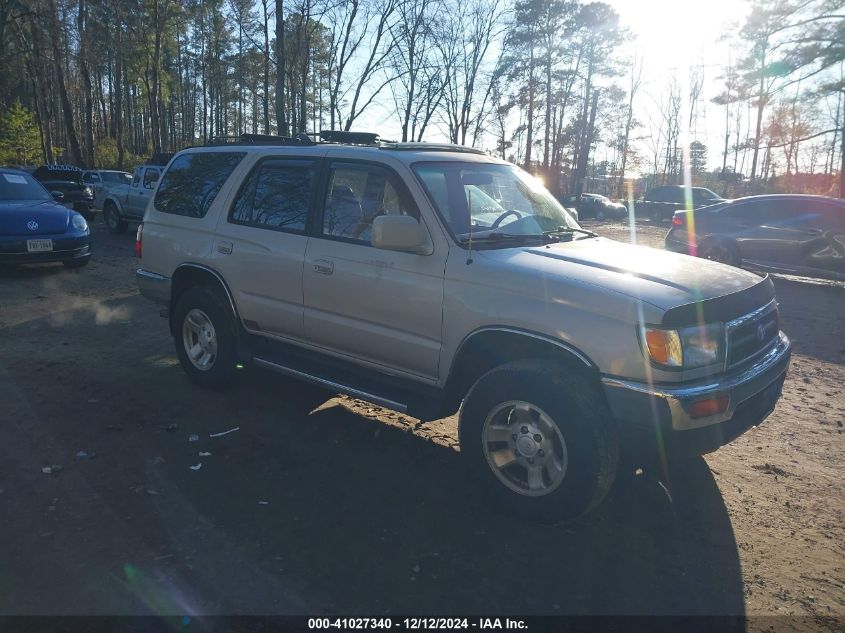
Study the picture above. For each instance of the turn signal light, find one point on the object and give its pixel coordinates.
(677, 221)
(711, 406)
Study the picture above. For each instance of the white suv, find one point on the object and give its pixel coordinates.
(428, 278)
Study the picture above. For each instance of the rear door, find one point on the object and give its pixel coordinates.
(769, 231)
(823, 242)
(261, 243)
(383, 307)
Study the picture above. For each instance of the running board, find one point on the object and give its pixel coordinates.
(331, 385)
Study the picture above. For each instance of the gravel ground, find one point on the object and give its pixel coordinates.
(324, 504)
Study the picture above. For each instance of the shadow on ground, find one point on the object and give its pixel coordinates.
(304, 509)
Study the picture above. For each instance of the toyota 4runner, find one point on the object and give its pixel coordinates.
(432, 278)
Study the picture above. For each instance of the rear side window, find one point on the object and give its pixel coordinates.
(150, 178)
(276, 195)
(192, 182)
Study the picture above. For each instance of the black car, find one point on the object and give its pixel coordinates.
(793, 234)
(35, 228)
(67, 180)
(660, 203)
(592, 205)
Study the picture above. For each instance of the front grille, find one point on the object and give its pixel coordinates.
(751, 337)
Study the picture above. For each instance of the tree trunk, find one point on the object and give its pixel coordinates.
(529, 132)
(584, 151)
(761, 104)
(67, 109)
(280, 69)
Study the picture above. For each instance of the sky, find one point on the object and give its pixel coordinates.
(670, 36)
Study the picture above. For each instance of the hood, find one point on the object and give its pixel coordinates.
(51, 218)
(663, 279)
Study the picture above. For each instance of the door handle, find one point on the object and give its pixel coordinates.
(224, 248)
(323, 267)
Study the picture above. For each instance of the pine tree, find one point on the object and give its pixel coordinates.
(20, 142)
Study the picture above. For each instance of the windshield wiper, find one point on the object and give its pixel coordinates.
(495, 236)
(568, 230)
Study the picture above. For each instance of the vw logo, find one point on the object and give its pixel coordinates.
(32, 225)
(761, 332)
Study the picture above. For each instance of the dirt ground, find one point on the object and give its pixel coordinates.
(321, 504)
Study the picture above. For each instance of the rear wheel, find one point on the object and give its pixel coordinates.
(540, 439)
(115, 224)
(600, 215)
(204, 334)
(720, 250)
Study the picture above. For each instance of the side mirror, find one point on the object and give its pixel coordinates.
(58, 196)
(400, 233)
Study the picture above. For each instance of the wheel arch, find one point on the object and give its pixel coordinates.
(189, 275)
(490, 347)
(113, 200)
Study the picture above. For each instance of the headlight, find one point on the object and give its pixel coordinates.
(87, 191)
(694, 346)
(79, 223)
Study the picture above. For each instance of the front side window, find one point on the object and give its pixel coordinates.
(487, 198)
(356, 195)
(192, 182)
(276, 195)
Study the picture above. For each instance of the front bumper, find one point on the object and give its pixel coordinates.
(657, 416)
(13, 250)
(153, 286)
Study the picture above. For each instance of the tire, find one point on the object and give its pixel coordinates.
(656, 216)
(76, 263)
(600, 215)
(204, 321)
(724, 251)
(115, 224)
(570, 433)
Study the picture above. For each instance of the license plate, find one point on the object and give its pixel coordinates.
(39, 246)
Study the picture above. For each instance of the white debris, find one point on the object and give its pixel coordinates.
(237, 428)
(196, 466)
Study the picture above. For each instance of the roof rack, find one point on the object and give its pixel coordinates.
(260, 139)
(430, 147)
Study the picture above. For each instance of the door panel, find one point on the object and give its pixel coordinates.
(381, 306)
(265, 230)
(823, 247)
(768, 231)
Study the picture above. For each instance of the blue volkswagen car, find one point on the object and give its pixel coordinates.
(34, 227)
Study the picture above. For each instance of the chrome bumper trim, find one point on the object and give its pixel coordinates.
(153, 286)
(739, 387)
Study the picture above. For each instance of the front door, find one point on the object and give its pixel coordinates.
(141, 191)
(381, 306)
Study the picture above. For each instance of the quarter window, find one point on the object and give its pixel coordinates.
(277, 195)
(192, 182)
(150, 178)
(357, 194)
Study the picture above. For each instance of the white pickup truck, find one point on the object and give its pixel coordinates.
(126, 202)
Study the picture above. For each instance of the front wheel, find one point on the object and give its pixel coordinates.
(539, 437)
(204, 334)
(115, 224)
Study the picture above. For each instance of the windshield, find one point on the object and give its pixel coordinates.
(21, 187)
(493, 197)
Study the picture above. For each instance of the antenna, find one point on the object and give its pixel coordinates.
(469, 240)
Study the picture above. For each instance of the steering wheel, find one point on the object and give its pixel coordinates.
(503, 216)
